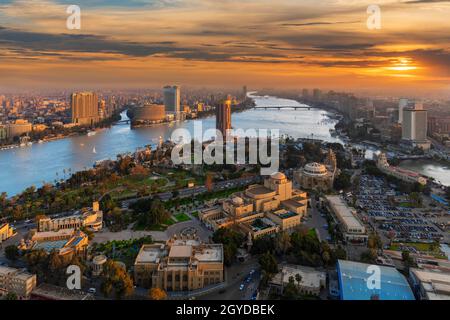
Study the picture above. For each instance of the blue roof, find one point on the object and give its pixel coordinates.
(353, 279)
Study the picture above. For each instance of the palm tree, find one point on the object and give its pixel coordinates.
(298, 278)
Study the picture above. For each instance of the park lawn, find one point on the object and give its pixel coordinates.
(195, 214)
(182, 217)
(312, 232)
(429, 248)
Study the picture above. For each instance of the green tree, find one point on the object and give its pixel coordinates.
(115, 280)
(268, 263)
(12, 253)
(290, 291)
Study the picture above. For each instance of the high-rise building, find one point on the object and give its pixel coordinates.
(223, 116)
(305, 93)
(317, 94)
(414, 127)
(402, 104)
(172, 99)
(84, 108)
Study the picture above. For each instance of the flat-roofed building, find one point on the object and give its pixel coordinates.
(430, 284)
(181, 264)
(312, 280)
(16, 281)
(90, 218)
(352, 228)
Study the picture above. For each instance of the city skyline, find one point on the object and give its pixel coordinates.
(202, 43)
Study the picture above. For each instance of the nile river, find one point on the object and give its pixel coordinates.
(23, 167)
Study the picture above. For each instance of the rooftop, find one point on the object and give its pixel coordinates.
(354, 277)
(310, 277)
(177, 251)
(150, 253)
(344, 213)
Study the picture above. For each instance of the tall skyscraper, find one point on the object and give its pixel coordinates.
(172, 99)
(414, 126)
(223, 116)
(84, 108)
(402, 104)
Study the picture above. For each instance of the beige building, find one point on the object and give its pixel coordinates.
(181, 264)
(261, 209)
(18, 128)
(6, 232)
(85, 108)
(16, 281)
(431, 284)
(67, 242)
(91, 218)
(353, 229)
(318, 176)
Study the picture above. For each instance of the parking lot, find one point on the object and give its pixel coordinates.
(378, 202)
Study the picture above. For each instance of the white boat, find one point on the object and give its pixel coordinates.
(94, 151)
(40, 141)
(91, 133)
(29, 144)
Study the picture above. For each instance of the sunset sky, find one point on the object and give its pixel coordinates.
(227, 43)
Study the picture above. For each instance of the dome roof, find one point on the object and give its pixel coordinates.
(278, 176)
(100, 259)
(315, 168)
(238, 201)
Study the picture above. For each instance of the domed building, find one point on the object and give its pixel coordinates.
(318, 176)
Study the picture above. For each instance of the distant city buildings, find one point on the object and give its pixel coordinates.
(261, 209)
(402, 104)
(16, 281)
(318, 176)
(183, 263)
(85, 108)
(223, 116)
(414, 126)
(172, 100)
(399, 173)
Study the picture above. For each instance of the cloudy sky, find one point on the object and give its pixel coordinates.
(226, 43)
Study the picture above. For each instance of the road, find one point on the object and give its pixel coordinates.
(235, 275)
(194, 191)
(316, 221)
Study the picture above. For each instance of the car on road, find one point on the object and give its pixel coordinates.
(92, 290)
(241, 287)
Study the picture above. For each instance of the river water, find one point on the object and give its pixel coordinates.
(46, 162)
